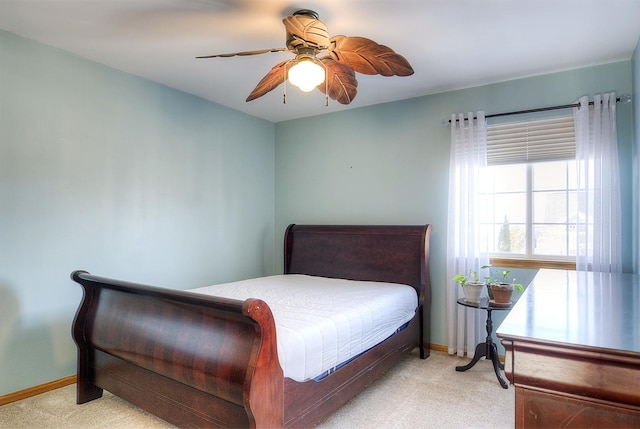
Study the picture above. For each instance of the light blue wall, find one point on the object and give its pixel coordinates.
(390, 163)
(106, 172)
(635, 159)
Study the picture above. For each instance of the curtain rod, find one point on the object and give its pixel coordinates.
(623, 98)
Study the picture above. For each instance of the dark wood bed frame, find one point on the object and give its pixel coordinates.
(203, 361)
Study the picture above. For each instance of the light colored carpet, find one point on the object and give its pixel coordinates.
(415, 394)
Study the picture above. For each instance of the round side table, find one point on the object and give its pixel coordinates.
(488, 348)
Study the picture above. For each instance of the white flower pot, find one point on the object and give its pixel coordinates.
(472, 291)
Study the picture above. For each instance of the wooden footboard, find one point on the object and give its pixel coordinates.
(202, 361)
(192, 360)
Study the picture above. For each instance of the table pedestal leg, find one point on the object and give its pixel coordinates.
(489, 350)
(481, 351)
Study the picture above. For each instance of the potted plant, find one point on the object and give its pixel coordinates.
(471, 285)
(501, 290)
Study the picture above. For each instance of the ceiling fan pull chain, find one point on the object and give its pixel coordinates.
(284, 90)
(326, 88)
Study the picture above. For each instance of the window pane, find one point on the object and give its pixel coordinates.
(572, 240)
(572, 200)
(550, 207)
(572, 174)
(510, 208)
(510, 238)
(550, 240)
(510, 178)
(549, 175)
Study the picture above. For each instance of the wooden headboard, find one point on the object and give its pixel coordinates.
(398, 254)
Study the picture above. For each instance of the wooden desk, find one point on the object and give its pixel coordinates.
(572, 346)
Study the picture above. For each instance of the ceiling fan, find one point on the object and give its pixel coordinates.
(334, 71)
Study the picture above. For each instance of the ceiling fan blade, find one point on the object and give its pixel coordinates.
(245, 53)
(305, 31)
(341, 81)
(368, 57)
(271, 81)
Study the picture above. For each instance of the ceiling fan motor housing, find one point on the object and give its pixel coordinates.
(305, 30)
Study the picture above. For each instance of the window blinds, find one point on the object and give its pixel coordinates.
(531, 141)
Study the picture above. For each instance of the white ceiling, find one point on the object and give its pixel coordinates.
(451, 44)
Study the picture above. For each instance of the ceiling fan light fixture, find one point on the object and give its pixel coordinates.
(306, 73)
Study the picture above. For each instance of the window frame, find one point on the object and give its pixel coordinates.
(529, 260)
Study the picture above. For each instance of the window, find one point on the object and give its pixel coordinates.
(529, 190)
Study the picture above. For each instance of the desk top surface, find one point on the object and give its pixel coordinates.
(594, 310)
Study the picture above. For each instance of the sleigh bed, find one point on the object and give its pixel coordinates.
(199, 360)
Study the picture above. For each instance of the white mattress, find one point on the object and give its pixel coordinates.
(322, 322)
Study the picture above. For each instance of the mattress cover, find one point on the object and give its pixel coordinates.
(322, 322)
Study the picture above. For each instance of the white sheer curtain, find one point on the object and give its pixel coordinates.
(599, 230)
(465, 327)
